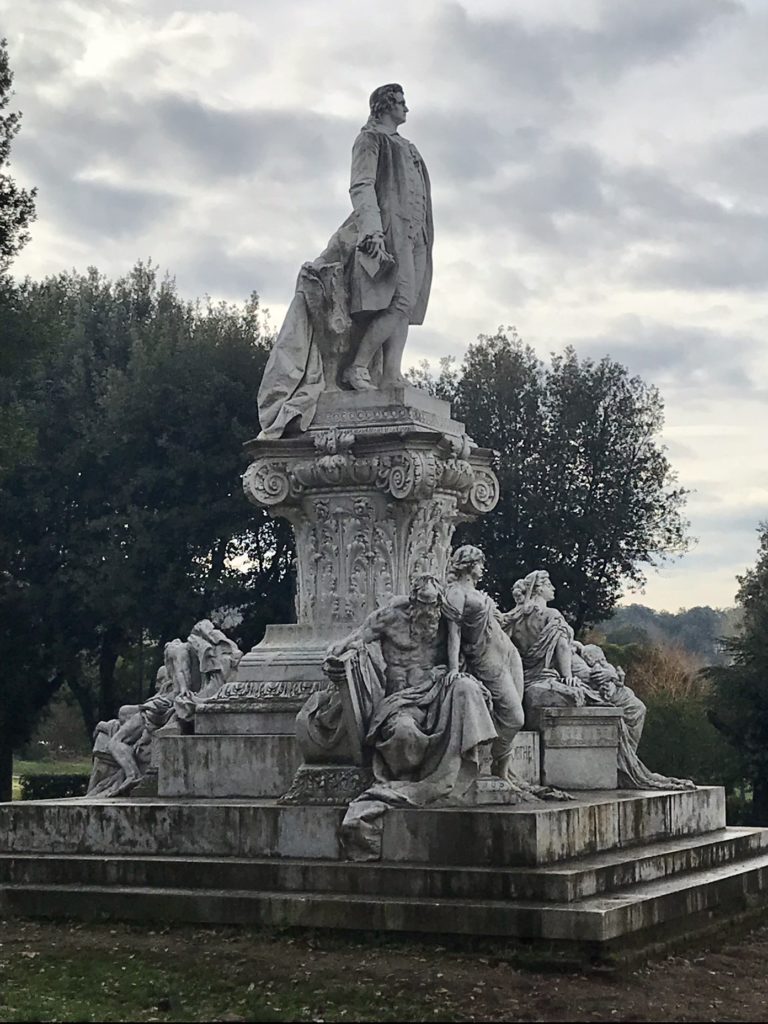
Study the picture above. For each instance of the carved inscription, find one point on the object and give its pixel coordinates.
(283, 689)
(326, 785)
(581, 735)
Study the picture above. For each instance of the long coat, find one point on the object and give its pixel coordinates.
(379, 192)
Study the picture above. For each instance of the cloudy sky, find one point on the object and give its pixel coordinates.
(599, 175)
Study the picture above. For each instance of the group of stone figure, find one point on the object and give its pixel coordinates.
(442, 672)
(193, 670)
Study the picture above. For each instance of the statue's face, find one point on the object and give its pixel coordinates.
(477, 570)
(593, 656)
(398, 110)
(428, 592)
(546, 589)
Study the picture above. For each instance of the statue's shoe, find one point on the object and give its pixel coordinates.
(358, 379)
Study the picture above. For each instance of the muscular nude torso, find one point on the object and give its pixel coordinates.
(409, 652)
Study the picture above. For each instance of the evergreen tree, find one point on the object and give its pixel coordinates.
(17, 205)
(740, 705)
(586, 489)
(122, 520)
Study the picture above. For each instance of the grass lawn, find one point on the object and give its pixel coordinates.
(59, 971)
(76, 766)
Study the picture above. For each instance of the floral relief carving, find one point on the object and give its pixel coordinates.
(365, 522)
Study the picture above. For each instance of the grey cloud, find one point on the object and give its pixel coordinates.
(179, 137)
(94, 208)
(212, 269)
(477, 150)
(652, 229)
(677, 450)
(289, 146)
(560, 182)
(546, 63)
(739, 263)
(737, 163)
(690, 358)
(638, 33)
(500, 51)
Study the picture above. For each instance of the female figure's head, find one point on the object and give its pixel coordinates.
(466, 562)
(536, 585)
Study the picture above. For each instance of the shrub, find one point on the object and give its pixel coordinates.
(52, 787)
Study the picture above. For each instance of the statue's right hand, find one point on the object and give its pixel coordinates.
(373, 245)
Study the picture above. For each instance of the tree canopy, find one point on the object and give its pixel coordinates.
(587, 491)
(17, 204)
(740, 707)
(120, 516)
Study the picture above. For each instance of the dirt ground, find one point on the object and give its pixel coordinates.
(64, 971)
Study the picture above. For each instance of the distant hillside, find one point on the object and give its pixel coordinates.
(698, 630)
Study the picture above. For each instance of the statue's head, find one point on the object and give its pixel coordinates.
(426, 590)
(388, 99)
(163, 682)
(426, 600)
(593, 655)
(535, 584)
(467, 561)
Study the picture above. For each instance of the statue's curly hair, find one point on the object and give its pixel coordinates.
(421, 580)
(383, 98)
(524, 590)
(463, 559)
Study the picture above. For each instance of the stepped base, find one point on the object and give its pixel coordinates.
(597, 921)
(596, 873)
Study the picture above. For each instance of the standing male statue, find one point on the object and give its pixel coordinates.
(358, 298)
(392, 273)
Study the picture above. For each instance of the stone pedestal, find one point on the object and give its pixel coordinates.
(337, 784)
(238, 765)
(578, 746)
(374, 491)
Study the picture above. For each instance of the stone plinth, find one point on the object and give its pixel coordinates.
(271, 685)
(526, 764)
(373, 491)
(240, 765)
(529, 834)
(337, 784)
(579, 746)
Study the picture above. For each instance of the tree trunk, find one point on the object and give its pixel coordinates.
(84, 698)
(110, 650)
(759, 801)
(6, 771)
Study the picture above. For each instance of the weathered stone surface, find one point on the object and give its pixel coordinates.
(557, 676)
(578, 746)
(584, 873)
(239, 765)
(681, 902)
(369, 511)
(327, 784)
(526, 834)
(526, 757)
(389, 410)
(565, 882)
